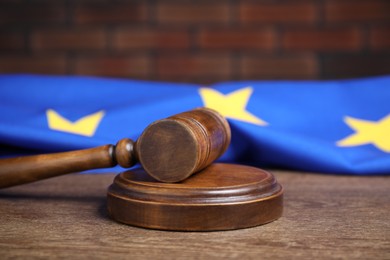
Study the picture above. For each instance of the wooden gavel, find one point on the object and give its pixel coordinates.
(170, 150)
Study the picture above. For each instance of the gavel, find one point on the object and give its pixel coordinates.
(169, 150)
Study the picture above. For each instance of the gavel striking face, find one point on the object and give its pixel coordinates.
(170, 150)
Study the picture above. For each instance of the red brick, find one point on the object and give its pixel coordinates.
(380, 38)
(263, 39)
(106, 13)
(356, 65)
(348, 39)
(279, 67)
(357, 11)
(33, 64)
(195, 67)
(117, 66)
(69, 39)
(31, 14)
(294, 12)
(12, 41)
(192, 12)
(145, 38)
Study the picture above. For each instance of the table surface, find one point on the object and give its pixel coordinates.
(325, 216)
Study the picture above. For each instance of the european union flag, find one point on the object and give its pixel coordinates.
(320, 126)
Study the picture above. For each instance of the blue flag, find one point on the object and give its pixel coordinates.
(319, 126)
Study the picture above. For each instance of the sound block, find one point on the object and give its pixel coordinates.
(220, 197)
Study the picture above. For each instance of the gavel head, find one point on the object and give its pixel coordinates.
(172, 149)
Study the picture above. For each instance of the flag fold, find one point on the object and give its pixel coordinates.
(340, 127)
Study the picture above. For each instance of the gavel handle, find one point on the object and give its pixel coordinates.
(20, 170)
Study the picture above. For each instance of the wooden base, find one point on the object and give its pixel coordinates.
(220, 197)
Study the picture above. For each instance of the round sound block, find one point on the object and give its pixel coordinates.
(220, 197)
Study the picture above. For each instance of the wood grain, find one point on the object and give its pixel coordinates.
(325, 217)
(26, 169)
(220, 197)
(174, 148)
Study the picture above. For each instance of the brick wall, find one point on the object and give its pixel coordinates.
(197, 41)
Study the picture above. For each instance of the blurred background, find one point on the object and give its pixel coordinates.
(196, 41)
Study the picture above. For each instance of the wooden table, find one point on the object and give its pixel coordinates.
(325, 217)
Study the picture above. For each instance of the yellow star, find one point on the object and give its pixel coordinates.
(232, 105)
(86, 125)
(376, 133)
